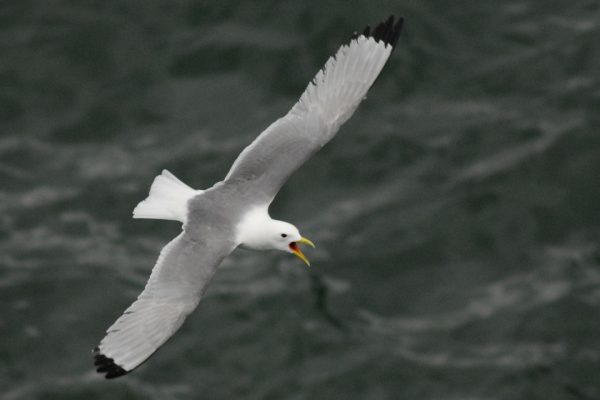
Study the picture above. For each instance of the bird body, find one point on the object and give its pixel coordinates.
(234, 212)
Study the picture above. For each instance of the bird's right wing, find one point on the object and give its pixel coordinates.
(176, 285)
(328, 101)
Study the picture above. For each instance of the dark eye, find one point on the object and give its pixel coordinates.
(283, 235)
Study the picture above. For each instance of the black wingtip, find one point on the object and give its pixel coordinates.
(388, 32)
(107, 365)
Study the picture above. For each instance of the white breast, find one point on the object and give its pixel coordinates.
(252, 231)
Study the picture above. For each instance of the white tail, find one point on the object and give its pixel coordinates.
(168, 199)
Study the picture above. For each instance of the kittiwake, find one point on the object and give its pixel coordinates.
(235, 211)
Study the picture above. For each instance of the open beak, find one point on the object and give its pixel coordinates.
(296, 250)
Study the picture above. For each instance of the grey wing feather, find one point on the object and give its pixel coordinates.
(176, 285)
(328, 101)
(278, 152)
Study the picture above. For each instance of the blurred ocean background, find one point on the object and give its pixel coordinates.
(456, 216)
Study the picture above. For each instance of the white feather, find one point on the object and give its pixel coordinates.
(168, 199)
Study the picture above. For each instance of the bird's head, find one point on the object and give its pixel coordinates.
(286, 237)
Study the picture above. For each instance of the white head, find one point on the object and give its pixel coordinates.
(260, 233)
(280, 235)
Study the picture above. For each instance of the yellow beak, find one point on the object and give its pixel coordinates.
(296, 250)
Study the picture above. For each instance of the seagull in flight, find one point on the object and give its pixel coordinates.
(235, 211)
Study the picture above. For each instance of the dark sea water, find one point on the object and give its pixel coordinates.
(456, 216)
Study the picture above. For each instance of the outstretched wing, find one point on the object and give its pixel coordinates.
(175, 287)
(328, 101)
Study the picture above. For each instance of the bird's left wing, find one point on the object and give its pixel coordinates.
(178, 280)
(328, 101)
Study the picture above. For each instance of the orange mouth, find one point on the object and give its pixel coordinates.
(296, 250)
